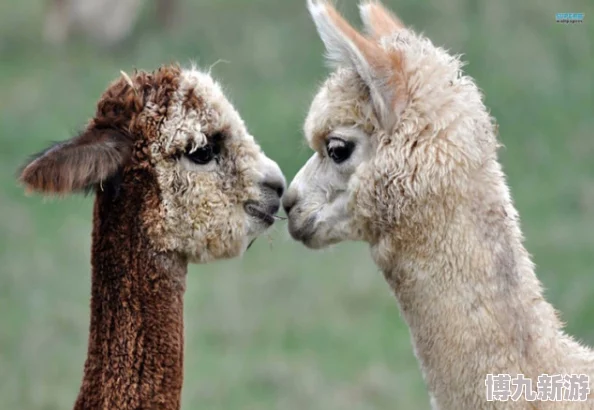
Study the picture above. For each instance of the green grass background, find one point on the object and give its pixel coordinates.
(285, 328)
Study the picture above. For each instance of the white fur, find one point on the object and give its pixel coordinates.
(430, 198)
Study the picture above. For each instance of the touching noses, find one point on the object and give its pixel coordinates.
(289, 201)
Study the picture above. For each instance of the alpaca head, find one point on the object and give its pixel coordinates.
(395, 127)
(208, 190)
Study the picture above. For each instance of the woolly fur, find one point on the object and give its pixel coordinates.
(430, 197)
(202, 212)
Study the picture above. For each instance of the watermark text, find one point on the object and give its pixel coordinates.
(569, 18)
(548, 387)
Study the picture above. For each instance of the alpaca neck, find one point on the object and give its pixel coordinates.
(135, 350)
(474, 305)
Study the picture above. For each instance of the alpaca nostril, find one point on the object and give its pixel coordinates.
(278, 186)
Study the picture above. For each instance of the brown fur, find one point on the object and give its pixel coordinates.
(135, 353)
(107, 144)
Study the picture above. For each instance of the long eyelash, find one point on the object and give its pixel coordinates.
(193, 147)
(213, 140)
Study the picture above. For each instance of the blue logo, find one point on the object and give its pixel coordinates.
(569, 18)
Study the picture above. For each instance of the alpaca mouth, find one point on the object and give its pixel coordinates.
(266, 214)
(302, 232)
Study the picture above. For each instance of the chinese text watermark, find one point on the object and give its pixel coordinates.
(554, 387)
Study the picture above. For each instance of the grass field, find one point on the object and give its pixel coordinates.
(285, 328)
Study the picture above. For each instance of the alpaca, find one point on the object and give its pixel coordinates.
(406, 160)
(106, 21)
(177, 179)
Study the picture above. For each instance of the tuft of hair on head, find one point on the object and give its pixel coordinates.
(77, 164)
(213, 65)
(129, 81)
(381, 70)
(378, 20)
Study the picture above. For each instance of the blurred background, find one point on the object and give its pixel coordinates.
(283, 328)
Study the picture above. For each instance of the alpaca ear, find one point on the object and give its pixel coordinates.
(378, 20)
(77, 164)
(381, 71)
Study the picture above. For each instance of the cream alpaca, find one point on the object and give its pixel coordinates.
(406, 160)
(177, 178)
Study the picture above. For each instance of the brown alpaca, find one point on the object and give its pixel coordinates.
(177, 179)
(406, 160)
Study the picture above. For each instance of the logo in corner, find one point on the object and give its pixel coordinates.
(569, 18)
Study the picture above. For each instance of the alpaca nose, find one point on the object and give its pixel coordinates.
(273, 180)
(289, 202)
(277, 185)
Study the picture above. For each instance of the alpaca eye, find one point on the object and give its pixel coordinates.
(339, 150)
(203, 155)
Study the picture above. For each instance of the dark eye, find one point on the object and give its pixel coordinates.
(203, 155)
(339, 150)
